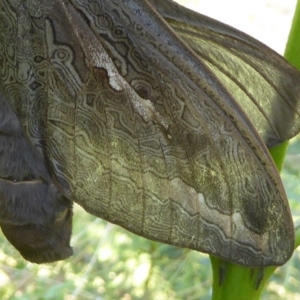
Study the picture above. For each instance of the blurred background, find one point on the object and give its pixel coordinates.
(267, 20)
(110, 263)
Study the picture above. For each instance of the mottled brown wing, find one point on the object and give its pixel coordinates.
(260, 80)
(138, 130)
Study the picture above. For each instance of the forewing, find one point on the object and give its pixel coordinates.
(139, 132)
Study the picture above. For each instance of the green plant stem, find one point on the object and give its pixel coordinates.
(292, 50)
(292, 54)
(297, 233)
(231, 281)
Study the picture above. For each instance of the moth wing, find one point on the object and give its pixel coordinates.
(157, 148)
(139, 132)
(261, 81)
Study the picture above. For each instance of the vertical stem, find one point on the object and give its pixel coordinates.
(292, 50)
(231, 281)
(292, 54)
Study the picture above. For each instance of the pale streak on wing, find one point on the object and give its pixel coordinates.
(97, 57)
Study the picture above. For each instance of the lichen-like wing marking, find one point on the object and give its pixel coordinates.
(139, 132)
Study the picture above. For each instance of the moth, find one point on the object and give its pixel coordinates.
(149, 116)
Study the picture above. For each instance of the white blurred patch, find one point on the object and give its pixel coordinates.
(268, 21)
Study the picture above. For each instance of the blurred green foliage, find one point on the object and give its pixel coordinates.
(110, 263)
